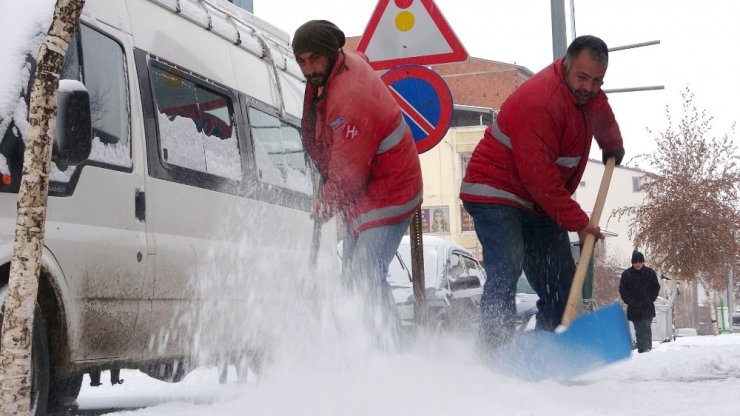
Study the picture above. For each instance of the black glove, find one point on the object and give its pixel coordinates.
(616, 154)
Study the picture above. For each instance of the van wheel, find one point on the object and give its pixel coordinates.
(63, 393)
(39, 358)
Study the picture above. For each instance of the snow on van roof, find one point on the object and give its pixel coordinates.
(24, 21)
(250, 18)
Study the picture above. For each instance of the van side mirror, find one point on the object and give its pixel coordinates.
(73, 133)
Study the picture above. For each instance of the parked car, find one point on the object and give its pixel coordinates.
(453, 284)
(526, 304)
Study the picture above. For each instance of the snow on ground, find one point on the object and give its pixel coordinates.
(693, 375)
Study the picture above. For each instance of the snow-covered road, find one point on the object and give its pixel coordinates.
(691, 376)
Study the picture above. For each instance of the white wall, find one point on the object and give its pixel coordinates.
(620, 195)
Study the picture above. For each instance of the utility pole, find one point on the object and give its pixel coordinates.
(559, 36)
(560, 40)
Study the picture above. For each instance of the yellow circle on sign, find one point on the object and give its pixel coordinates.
(404, 21)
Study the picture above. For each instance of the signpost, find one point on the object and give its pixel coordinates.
(404, 34)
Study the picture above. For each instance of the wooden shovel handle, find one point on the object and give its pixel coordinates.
(576, 288)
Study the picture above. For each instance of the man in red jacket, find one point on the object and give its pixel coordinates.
(356, 135)
(520, 179)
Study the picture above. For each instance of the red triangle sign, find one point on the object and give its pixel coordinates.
(409, 32)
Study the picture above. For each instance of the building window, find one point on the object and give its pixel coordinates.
(637, 182)
(464, 160)
(244, 4)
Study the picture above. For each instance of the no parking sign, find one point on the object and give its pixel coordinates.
(425, 100)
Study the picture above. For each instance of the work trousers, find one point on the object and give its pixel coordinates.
(643, 334)
(513, 241)
(365, 260)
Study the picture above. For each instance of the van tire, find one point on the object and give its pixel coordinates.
(39, 361)
(63, 393)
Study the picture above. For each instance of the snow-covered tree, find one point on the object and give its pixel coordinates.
(17, 326)
(691, 214)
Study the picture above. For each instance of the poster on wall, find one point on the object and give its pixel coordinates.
(438, 220)
(466, 221)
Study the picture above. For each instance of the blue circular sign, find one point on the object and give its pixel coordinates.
(425, 100)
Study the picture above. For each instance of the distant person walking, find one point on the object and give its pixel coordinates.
(639, 288)
(356, 135)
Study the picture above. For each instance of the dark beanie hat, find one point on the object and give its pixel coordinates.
(318, 36)
(637, 256)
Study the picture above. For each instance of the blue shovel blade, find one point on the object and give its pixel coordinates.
(591, 341)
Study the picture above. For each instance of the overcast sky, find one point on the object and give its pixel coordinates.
(698, 47)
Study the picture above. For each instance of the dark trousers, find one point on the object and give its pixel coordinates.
(514, 241)
(643, 334)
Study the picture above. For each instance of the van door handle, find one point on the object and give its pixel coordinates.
(140, 205)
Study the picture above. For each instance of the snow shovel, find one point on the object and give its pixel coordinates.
(580, 344)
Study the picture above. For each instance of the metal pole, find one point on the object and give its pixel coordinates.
(633, 89)
(559, 38)
(723, 329)
(634, 45)
(573, 19)
(731, 292)
(417, 270)
(731, 287)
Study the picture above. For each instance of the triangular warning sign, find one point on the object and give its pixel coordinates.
(409, 32)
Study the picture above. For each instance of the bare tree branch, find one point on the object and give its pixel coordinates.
(692, 203)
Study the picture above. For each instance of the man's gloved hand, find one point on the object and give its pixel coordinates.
(616, 154)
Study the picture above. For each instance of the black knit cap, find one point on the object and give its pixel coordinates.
(637, 256)
(318, 36)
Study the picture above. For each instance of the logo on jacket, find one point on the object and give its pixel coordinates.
(337, 124)
(352, 132)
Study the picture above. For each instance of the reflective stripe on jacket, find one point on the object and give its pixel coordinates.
(534, 154)
(362, 147)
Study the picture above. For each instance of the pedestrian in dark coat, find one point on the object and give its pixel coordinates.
(639, 288)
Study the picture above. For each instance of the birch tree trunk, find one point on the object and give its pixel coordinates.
(15, 350)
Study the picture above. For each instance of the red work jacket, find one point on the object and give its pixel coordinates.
(533, 155)
(361, 145)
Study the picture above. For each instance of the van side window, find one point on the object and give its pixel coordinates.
(196, 126)
(105, 79)
(279, 154)
(104, 76)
